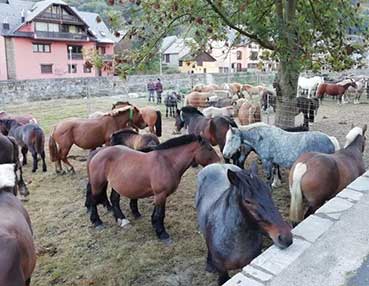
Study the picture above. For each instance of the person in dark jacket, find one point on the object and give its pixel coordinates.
(151, 87)
(159, 91)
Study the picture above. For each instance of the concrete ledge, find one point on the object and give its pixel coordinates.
(268, 265)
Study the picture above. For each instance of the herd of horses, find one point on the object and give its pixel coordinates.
(234, 205)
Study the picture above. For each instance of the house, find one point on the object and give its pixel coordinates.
(200, 63)
(45, 40)
(174, 48)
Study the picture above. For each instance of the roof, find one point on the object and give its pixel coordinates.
(200, 57)
(167, 41)
(179, 47)
(12, 13)
(98, 29)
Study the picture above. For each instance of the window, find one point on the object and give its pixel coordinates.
(41, 48)
(102, 50)
(254, 56)
(47, 27)
(239, 55)
(47, 68)
(87, 69)
(72, 68)
(75, 52)
(180, 63)
(239, 67)
(167, 58)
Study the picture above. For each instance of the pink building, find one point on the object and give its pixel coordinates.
(46, 39)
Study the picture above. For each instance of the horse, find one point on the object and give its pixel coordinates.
(249, 113)
(319, 177)
(253, 90)
(29, 137)
(18, 253)
(309, 83)
(137, 175)
(206, 88)
(268, 99)
(356, 93)
(150, 115)
(171, 104)
(9, 154)
(275, 146)
(89, 133)
(197, 99)
(211, 111)
(333, 90)
(21, 119)
(130, 138)
(234, 209)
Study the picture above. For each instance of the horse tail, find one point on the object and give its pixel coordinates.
(53, 148)
(335, 143)
(40, 141)
(158, 123)
(296, 207)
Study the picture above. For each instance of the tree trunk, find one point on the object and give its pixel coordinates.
(286, 86)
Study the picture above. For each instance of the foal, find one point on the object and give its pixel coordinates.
(318, 177)
(29, 137)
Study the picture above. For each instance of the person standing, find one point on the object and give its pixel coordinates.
(159, 91)
(151, 88)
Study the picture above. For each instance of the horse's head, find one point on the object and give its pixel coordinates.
(206, 154)
(233, 142)
(6, 125)
(135, 116)
(353, 83)
(179, 123)
(257, 205)
(352, 137)
(120, 104)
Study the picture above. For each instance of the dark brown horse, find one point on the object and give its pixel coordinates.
(333, 89)
(9, 153)
(89, 133)
(29, 137)
(150, 115)
(17, 250)
(130, 138)
(21, 119)
(137, 175)
(214, 129)
(318, 177)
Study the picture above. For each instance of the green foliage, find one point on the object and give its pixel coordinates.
(299, 33)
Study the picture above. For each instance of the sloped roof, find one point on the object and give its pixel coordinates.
(39, 7)
(11, 13)
(167, 41)
(98, 29)
(201, 56)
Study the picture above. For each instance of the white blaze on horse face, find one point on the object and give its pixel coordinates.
(7, 175)
(233, 143)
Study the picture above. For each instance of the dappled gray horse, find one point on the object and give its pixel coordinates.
(276, 146)
(234, 208)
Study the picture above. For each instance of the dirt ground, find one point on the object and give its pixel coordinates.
(71, 252)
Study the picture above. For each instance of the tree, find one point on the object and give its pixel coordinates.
(295, 31)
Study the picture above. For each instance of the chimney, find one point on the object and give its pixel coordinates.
(6, 24)
(23, 18)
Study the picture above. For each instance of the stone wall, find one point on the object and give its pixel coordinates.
(44, 89)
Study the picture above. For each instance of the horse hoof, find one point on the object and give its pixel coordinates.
(99, 226)
(123, 222)
(137, 215)
(23, 198)
(33, 170)
(44, 170)
(167, 241)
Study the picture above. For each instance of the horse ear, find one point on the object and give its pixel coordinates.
(254, 168)
(364, 129)
(352, 125)
(232, 177)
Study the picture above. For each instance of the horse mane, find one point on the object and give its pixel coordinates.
(230, 121)
(192, 110)
(352, 135)
(177, 141)
(7, 176)
(120, 103)
(253, 125)
(125, 131)
(118, 111)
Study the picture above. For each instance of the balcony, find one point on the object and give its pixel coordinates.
(59, 18)
(61, 36)
(76, 56)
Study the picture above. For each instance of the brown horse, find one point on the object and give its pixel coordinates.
(130, 138)
(9, 154)
(150, 115)
(21, 119)
(17, 251)
(29, 137)
(318, 177)
(89, 133)
(197, 99)
(249, 113)
(333, 89)
(136, 175)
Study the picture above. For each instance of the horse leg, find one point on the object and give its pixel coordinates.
(157, 220)
(44, 168)
(63, 156)
(24, 151)
(268, 167)
(134, 208)
(92, 200)
(28, 282)
(209, 264)
(166, 111)
(223, 277)
(276, 176)
(34, 156)
(120, 218)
